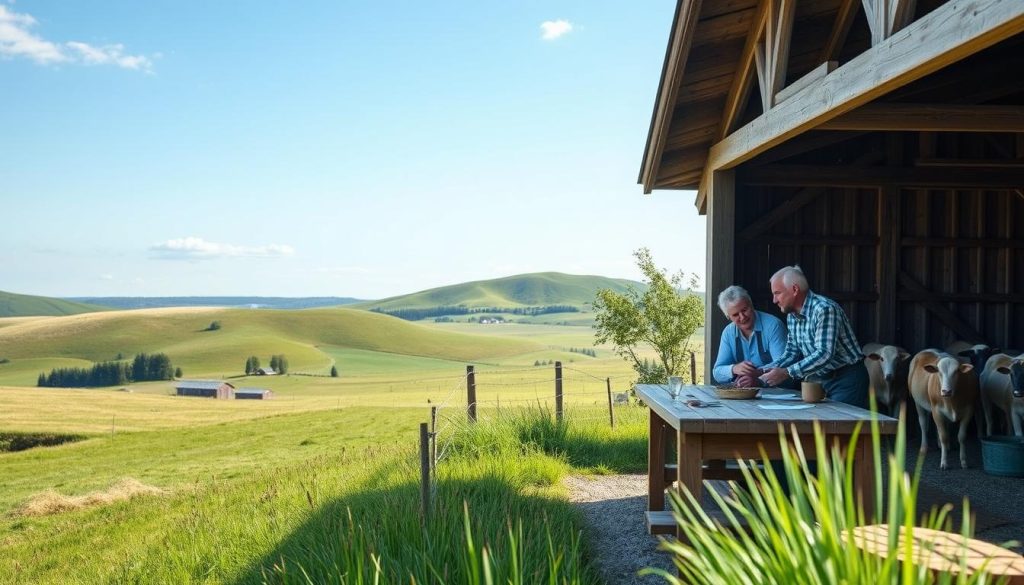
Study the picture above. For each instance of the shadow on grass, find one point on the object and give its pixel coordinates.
(379, 528)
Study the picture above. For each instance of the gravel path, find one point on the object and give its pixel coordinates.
(614, 506)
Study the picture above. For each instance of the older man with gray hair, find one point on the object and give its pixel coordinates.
(821, 346)
(752, 340)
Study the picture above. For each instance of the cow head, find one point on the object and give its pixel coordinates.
(948, 369)
(979, 354)
(1016, 373)
(889, 357)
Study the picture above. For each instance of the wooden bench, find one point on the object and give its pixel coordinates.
(942, 552)
(663, 522)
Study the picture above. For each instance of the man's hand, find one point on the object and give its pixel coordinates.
(745, 368)
(775, 376)
(747, 382)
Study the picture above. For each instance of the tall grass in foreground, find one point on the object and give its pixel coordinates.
(498, 511)
(804, 536)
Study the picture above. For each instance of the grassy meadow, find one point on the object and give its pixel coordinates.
(320, 483)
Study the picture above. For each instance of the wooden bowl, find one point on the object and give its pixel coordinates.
(734, 393)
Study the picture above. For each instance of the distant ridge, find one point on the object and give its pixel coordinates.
(254, 302)
(522, 290)
(15, 305)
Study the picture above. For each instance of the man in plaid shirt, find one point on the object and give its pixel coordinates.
(821, 346)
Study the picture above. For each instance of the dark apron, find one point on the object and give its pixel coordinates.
(766, 357)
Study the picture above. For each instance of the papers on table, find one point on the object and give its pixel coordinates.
(780, 396)
(784, 406)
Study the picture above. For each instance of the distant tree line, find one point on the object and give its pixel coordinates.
(584, 351)
(144, 368)
(426, 313)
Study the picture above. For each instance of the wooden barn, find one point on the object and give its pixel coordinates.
(205, 389)
(877, 143)
(248, 393)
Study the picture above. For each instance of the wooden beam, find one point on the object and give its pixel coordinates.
(814, 76)
(771, 55)
(720, 259)
(739, 92)
(930, 118)
(995, 163)
(683, 25)
(944, 36)
(886, 262)
(840, 30)
(780, 212)
(887, 17)
(961, 328)
(999, 243)
(998, 178)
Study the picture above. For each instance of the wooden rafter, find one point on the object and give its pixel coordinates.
(930, 118)
(840, 30)
(771, 53)
(739, 92)
(944, 36)
(887, 17)
(974, 177)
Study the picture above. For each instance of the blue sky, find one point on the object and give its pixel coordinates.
(361, 149)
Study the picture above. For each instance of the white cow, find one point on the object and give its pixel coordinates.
(887, 372)
(1002, 386)
(946, 389)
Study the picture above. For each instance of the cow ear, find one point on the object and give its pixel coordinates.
(931, 369)
(874, 356)
(904, 356)
(1003, 370)
(964, 368)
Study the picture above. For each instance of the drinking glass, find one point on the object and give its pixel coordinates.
(675, 385)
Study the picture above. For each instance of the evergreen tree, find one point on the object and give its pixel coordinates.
(334, 371)
(275, 363)
(282, 364)
(42, 380)
(178, 373)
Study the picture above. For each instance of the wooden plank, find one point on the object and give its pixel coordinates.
(887, 262)
(1009, 243)
(930, 118)
(944, 36)
(720, 258)
(683, 25)
(872, 177)
(780, 212)
(655, 462)
(739, 92)
(994, 163)
(813, 76)
(840, 30)
(961, 328)
(780, 27)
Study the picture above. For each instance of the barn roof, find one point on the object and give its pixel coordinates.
(250, 390)
(825, 60)
(201, 384)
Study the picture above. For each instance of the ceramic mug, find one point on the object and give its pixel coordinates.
(812, 392)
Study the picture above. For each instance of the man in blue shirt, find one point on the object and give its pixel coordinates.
(821, 346)
(751, 341)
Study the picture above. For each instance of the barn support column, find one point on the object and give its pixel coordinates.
(721, 232)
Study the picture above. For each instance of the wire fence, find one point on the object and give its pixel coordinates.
(568, 394)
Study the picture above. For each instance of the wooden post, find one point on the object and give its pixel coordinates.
(558, 391)
(611, 410)
(424, 469)
(471, 394)
(433, 437)
(693, 367)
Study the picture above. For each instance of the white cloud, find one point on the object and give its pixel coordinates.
(192, 248)
(17, 41)
(106, 277)
(553, 29)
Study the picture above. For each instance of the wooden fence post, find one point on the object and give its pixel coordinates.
(558, 391)
(424, 469)
(693, 367)
(471, 393)
(433, 438)
(611, 410)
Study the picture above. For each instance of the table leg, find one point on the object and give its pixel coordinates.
(689, 463)
(656, 464)
(864, 478)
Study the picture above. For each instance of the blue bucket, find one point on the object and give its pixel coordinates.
(1003, 456)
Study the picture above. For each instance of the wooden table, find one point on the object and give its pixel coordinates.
(739, 429)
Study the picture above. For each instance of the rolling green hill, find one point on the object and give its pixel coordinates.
(523, 290)
(15, 305)
(182, 334)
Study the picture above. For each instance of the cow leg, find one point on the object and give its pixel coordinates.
(1017, 430)
(943, 432)
(986, 407)
(922, 419)
(962, 437)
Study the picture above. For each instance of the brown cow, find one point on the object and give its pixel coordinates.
(947, 389)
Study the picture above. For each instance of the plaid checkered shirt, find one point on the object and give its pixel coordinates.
(821, 340)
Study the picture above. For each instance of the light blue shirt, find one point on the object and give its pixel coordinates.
(773, 337)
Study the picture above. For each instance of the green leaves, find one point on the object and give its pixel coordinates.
(662, 317)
